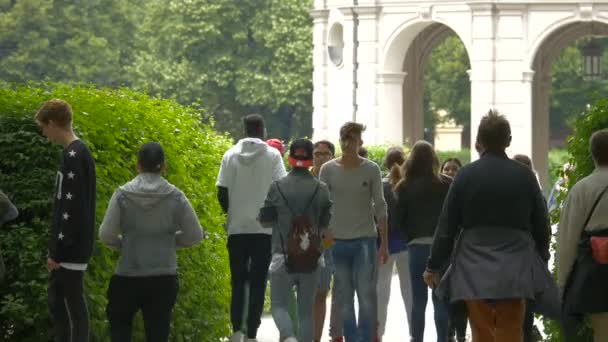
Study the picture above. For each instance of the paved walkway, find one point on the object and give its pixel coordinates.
(396, 327)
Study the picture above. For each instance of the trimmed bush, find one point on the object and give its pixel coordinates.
(114, 124)
(595, 118)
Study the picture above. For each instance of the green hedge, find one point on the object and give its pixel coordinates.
(114, 124)
(595, 118)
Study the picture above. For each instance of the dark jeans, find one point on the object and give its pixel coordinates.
(419, 254)
(67, 305)
(154, 295)
(249, 260)
(458, 321)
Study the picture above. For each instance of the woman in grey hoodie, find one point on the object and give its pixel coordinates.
(147, 220)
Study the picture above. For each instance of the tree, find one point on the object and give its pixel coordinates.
(232, 57)
(78, 41)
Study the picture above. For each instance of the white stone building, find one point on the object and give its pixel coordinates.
(369, 58)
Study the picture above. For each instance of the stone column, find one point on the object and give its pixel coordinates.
(482, 73)
(319, 78)
(513, 85)
(367, 65)
(390, 114)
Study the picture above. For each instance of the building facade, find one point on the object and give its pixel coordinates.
(369, 59)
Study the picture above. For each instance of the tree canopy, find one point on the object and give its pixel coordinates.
(226, 57)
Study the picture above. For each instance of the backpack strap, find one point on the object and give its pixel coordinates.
(597, 201)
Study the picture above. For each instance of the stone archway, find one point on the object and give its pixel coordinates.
(414, 65)
(406, 57)
(546, 53)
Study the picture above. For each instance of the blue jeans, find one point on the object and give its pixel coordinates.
(356, 263)
(419, 254)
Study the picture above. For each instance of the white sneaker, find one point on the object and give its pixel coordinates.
(290, 339)
(237, 337)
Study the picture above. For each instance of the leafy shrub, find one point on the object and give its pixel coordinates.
(114, 124)
(595, 118)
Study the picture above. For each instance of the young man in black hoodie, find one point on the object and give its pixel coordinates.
(72, 226)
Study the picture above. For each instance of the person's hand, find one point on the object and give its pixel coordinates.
(383, 253)
(328, 240)
(429, 279)
(51, 265)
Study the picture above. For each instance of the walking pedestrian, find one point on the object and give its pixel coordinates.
(297, 209)
(582, 244)
(397, 246)
(246, 172)
(325, 151)
(147, 220)
(420, 196)
(355, 184)
(73, 224)
(496, 210)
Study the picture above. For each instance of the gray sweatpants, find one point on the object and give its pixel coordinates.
(281, 286)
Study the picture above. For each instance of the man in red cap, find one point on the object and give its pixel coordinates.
(297, 209)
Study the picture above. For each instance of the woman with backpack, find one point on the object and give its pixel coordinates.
(147, 220)
(297, 208)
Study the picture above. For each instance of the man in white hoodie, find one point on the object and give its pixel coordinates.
(246, 172)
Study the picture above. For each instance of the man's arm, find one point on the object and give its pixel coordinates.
(72, 196)
(222, 197)
(447, 228)
(10, 211)
(109, 231)
(380, 212)
(568, 235)
(541, 228)
(268, 213)
(190, 231)
(224, 180)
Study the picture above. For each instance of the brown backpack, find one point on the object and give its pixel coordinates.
(303, 242)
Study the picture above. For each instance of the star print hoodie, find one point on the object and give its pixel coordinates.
(72, 228)
(147, 220)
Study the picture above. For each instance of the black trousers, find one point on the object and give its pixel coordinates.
(458, 321)
(67, 305)
(154, 295)
(250, 256)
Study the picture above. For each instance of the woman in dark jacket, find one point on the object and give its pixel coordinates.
(420, 196)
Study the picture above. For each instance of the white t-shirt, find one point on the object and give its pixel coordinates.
(248, 169)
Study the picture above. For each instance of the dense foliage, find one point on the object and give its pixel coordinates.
(114, 124)
(229, 57)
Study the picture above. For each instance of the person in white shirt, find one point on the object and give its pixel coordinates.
(246, 172)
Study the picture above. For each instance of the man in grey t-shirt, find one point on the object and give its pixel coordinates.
(355, 186)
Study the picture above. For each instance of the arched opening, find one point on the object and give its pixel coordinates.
(551, 102)
(414, 110)
(436, 64)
